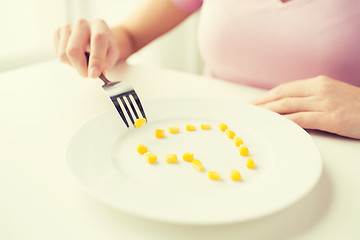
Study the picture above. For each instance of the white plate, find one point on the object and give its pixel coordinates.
(102, 156)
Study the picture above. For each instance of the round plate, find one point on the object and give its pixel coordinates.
(102, 156)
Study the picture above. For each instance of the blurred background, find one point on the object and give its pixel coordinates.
(28, 26)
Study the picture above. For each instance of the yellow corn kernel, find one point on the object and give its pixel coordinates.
(250, 163)
(171, 158)
(188, 156)
(235, 175)
(174, 129)
(150, 157)
(230, 134)
(205, 126)
(243, 150)
(141, 148)
(190, 127)
(139, 122)
(159, 133)
(214, 175)
(238, 141)
(197, 165)
(223, 127)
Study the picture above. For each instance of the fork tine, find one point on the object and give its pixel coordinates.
(118, 108)
(132, 106)
(127, 110)
(138, 103)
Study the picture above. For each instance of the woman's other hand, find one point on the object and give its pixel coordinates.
(317, 103)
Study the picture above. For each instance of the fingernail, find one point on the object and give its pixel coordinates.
(94, 72)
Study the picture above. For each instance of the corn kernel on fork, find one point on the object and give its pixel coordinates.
(122, 96)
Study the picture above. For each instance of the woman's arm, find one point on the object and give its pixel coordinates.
(151, 20)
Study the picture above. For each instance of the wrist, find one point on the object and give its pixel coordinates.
(125, 42)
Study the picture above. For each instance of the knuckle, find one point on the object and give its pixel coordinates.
(67, 27)
(324, 84)
(298, 119)
(99, 38)
(73, 52)
(100, 21)
(81, 22)
(276, 92)
(285, 104)
(63, 57)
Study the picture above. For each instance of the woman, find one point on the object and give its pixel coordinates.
(306, 51)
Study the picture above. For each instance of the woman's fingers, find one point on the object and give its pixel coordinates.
(72, 41)
(76, 46)
(309, 120)
(61, 40)
(300, 88)
(98, 47)
(293, 104)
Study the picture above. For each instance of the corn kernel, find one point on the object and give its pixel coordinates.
(159, 133)
(174, 129)
(250, 163)
(238, 141)
(150, 157)
(243, 150)
(190, 127)
(141, 148)
(235, 175)
(230, 134)
(214, 175)
(188, 156)
(139, 122)
(197, 165)
(205, 126)
(171, 158)
(223, 127)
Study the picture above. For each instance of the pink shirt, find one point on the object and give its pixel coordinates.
(264, 43)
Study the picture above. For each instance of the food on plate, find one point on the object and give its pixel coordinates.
(150, 157)
(174, 129)
(188, 156)
(139, 122)
(190, 127)
(197, 165)
(223, 127)
(250, 163)
(230, 133)
(238, 141)
(235, 175)
(141, 148)
(159, 133)
(205, 126)
(214, 175)
(243, 150)
(171, 158)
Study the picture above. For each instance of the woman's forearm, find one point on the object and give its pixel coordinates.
(150, 21)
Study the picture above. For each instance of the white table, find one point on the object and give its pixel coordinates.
(41, 107)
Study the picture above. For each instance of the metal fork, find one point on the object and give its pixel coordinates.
(122, 96)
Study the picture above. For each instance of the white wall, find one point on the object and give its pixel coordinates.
(28, 27)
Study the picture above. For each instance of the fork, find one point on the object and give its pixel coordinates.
(122, 94)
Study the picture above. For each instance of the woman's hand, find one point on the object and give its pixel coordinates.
(317, 103)
(106, 48)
